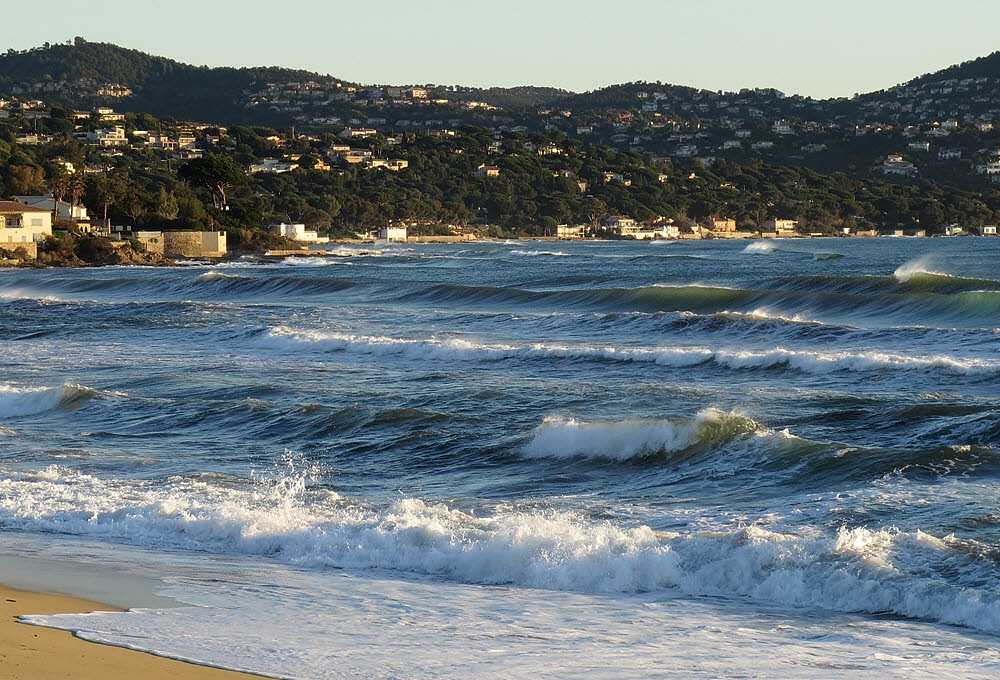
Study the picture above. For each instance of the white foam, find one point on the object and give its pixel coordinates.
(760, 247)
(863, 569)
(289, 339)
(536, 253)
(560, 437)
(920, 265)
(18, 401)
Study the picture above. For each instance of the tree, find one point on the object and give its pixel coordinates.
(25, 180)
(215, 172)
(105, 191)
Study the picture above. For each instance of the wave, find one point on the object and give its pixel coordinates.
(770, 247)
(560, 437)
(875, 570)
(28, 401)
(284, 338)
(536, 253)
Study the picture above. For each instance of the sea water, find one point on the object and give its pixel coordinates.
(523, 460)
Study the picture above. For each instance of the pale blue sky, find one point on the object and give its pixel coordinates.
(800, 47)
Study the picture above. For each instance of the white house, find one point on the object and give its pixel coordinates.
(949, 154)
(392, 234)
(919, 146)
(781, 127)
(895, 165)
(65, 210)
(273, 165)
(113, 136)
(991, 168)
(298, 232)
(20, 223)
(574, 231)
(350, 132)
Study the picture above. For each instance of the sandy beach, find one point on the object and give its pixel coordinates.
(35, 653)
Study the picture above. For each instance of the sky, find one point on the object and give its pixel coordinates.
(820, 49)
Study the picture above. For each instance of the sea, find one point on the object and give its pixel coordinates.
(521, 460)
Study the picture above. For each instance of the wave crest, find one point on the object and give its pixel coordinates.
(560, 437)
(28, 401)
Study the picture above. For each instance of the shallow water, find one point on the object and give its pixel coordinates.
(692, 459)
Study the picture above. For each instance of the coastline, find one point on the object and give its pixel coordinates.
(30, 652)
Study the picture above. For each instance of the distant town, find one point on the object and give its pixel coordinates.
(392, 163)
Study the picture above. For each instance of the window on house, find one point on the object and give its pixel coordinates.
(36, 221)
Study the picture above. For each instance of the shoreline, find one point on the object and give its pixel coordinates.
(265, 258)
(33, 652)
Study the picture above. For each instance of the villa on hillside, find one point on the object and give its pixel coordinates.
(895, 165)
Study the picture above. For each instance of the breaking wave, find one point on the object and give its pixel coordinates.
(560, 437)
(875, 570)
(28, 401)
(537, 253)
(283, 338)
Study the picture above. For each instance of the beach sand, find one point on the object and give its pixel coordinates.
(35, 653)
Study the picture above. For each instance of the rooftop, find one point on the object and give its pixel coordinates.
(15, 207)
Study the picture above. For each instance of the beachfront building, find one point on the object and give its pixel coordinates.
(571, 231)
(779, 227)
(64, 209)
(20, 223)
(392, 234)
(298, 232)
(721, 224)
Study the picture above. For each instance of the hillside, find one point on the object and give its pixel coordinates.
(85, 74)
(942, 123)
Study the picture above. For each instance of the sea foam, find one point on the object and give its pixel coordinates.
(18, 401)
(460, 349)
(862, 569)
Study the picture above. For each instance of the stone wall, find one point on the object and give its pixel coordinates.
(30, 247)
(194, 243)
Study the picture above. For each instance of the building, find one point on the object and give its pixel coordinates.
(988, 230)
(20, 223)
(991, 168)
(895, 165)
(298, 232)
(113, 136)
(64, 209)
(351, 132)
(919, 146)
(487, 171)
(392, 234)
(158, 140)
(273, 165)
(779, 227)
(575, 231)
(721, 224)
(782, 128)
(949, 154)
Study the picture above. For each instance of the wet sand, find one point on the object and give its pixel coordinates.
(35, 653)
